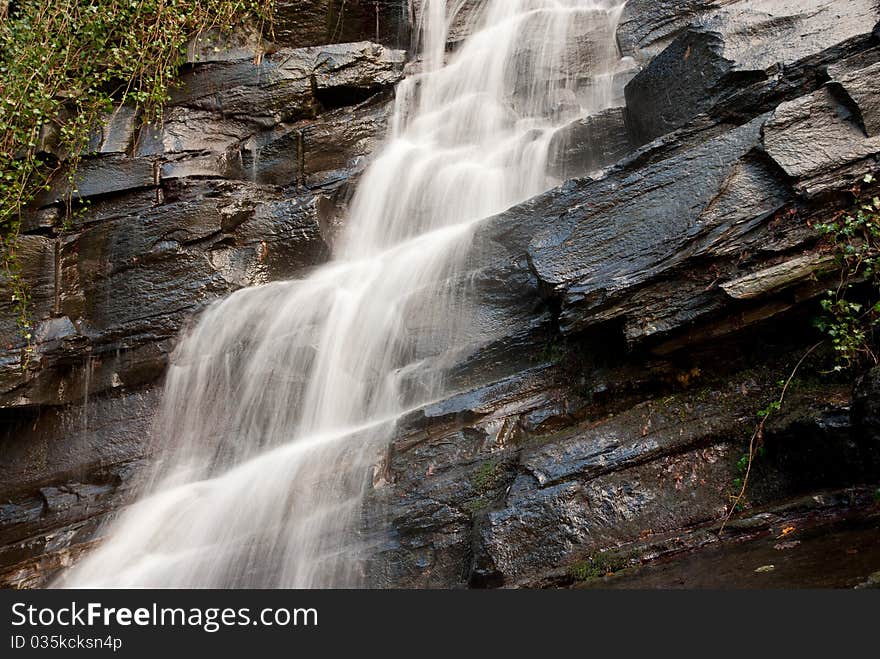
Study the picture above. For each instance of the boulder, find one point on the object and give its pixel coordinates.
(648, 26)
(589, 144)
(829, 137)
(744, 54)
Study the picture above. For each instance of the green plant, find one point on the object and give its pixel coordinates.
(477, 505)
(66, 64)
(746, 462)
(600, 565)
(850, 324)
(487, 476)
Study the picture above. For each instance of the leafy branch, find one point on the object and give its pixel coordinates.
(850, 325)
(64, 65)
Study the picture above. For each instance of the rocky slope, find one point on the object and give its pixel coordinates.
(637, 317)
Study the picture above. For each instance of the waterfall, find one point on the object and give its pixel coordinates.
(279, 399)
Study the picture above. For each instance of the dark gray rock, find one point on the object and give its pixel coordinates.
(300, 23)
(319, 153)
(473, 492)
(126, 283)
(290, 83)
(551, 526)
(188, 130)
(597, 251)
(63, 470)
(117, 133)
(743, 53)
(627, 326)
(587, 145)
(648, 26)
(828, 138)
(70, 443)
(102, 175)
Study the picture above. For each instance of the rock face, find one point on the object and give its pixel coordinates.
(745, 54)
(235, 188)
(675, 290)
(636, 317)
(300, 23)
(241, 184)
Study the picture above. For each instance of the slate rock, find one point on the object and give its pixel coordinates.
(770, 48)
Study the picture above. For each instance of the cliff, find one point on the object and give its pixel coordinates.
(640, 315)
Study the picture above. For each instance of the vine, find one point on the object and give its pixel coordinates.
(851, 322)
(66, 64)
(848, 322)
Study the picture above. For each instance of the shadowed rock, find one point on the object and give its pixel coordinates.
(743, 54)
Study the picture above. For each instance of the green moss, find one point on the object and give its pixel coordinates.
(487, 477)
(65, 65)
(599, 565)
(850, 319)
(477, 505)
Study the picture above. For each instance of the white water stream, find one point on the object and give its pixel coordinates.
(276, 402)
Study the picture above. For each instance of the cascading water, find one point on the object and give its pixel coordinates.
(276, 402)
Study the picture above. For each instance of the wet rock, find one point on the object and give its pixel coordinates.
(188, 130)
(163, 235)
(459, 25)
(127, 283)
(300, 23)
(583, 422)
(289, 83)
(102, 175)
(542, 527)
(117, 133)
(587, 145)
(35, 256)
(473, 474)
(70, 444)
(319, 153)
(648, 26)
(587, 255)
(577, 60)
(823, 139)
(742, 53)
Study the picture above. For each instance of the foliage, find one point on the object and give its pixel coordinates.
(756, 444)
(64, 65)
(599, 565)
(488, 477)
(849, 323)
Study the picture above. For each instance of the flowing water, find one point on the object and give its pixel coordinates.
(277, 401)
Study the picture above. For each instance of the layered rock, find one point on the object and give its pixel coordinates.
(632, 321)
(301, 23)
(242, 183)
(675, 289)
